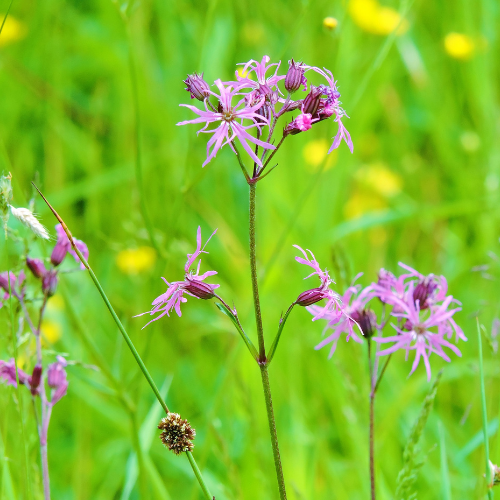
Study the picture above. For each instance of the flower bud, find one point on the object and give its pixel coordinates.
(310, 297)
(56, 374)
(36, 267)
(302, 123)
(366, 320)
(423, 291)
(49, 282)
(59, 252)
(295, 77)
(197, 87)
(199, 289)
(34, 380)
(4, 280)
(177, 433)
(312, 100)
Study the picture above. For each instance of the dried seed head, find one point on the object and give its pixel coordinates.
(177, 433)
(28, 218)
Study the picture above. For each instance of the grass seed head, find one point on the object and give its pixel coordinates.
(177, 433)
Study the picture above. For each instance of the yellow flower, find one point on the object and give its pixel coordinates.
(372, 17)
(136, 260)
(379, 178)
(315, 152)
(13, 30)
(56, 303)
(330, 23)
(459, 46)
(51, 331)
(361, 202)
(242, 73)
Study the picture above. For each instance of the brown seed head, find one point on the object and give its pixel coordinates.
(177, 433)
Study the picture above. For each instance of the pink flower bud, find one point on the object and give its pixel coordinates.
(49, 282)
(197, 87)
(295, 77)
(34, 380)
(4, 280)
(59, 252)
(36, 267)
(310, 297)
(199, 289)
(312, 100)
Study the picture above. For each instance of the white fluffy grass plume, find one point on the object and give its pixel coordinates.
(28, 218)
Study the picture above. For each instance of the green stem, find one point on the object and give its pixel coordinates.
(484, 412)
(262, 350)
(198, 475)
(272, 430)
(253, 270)
(372, 437)
(18, 391)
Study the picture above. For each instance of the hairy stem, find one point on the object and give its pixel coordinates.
(272, 430)
(262, 350)
(253, 270)
(372, 402)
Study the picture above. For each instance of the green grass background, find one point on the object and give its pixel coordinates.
(68, 121)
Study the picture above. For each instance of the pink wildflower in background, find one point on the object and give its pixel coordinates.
(8, 373)
(229, 128)
(333, 302)
(354, 314)
(63, 246)
(193, 285)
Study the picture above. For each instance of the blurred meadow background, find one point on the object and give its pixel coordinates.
(90, 101)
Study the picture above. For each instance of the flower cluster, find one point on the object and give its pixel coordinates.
(193, 285)
(55, 378)
(255, 101)
(177, 434)
(420, 305)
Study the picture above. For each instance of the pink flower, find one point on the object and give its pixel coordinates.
(231, 123)
(423, 332)
(309, 297)
(57, 380)
(63, 246)
(193, 285)
(16, 285)
(260, 69)
(8, 373)
(331, 106)
(304, 122)
(354, 312)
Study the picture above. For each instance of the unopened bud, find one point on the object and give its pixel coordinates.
(177, 433)
(58, 254)
(197, 87)
(312, 100)
(56, 373)
(49, 282)
(295, 77)
(4, 280)
(36, 267)
(424, 289)
(310, 297)
(366, 320)
(34, 380)
(199, 289)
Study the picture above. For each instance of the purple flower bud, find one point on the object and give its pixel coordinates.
(367, 321)
(56, 378)
(49, 282)
(8, 373)
(59, 252)
(310, 297)
(4, 280)
(36, 267)
(295, 77)
(423, 291)
(34, 380)
(312, 100)
(199, 289)
(197, 87)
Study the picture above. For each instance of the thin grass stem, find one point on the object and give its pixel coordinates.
(484, 412)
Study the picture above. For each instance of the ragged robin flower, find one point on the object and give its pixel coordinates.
(193, 285)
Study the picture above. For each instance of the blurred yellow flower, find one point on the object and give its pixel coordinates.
(242, 73)
(459, 46)
(56, 303)
(372, 17)
(136, 260)
(330, 23)
(362, 202)
(381, 179)
(51, 331)
(13, 30)
(315, 152)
